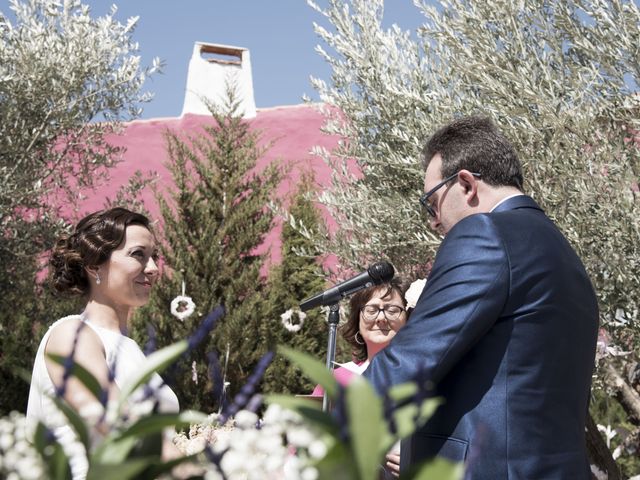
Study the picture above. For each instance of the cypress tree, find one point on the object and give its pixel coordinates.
(299, 276)
(214, 220)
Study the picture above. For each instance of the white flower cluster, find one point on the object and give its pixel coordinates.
(200, 435)
(278, 446)
(19, 460)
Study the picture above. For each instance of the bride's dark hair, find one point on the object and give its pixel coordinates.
(94, 238)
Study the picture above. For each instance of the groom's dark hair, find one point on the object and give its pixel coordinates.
(475, 144)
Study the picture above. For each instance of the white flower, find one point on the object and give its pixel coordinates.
(182, 307)
(283, 447)
(317, 449)
(414, 291)
(300, 437)
(91, 412)
(309, 473)
(246, 419)
(617, 452)
(19, 458)
(287, 317)
(141, 408)
(609, 433)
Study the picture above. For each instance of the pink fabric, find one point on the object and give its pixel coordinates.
(343, 377)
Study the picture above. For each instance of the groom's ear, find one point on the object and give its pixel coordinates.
(468, 182)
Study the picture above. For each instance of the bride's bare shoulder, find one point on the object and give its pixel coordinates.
(69, 331)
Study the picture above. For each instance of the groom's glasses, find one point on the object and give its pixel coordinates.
(424, 199)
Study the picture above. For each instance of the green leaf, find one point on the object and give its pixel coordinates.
(149, 445)
(155, 363)
(58, 463)
(121, 470)
(113, 450)
(310, 410)
(158, 422)
(337, 464)
(402, 391)
(410, 417)
(119, 446)
(56, 460)
(312, 368)
(366, 426)
(76, 421)
(24, 374)
(427, 408)
(438, 468)
(81, 373)
(158, 469)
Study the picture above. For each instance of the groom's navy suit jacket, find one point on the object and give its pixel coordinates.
(505, 329)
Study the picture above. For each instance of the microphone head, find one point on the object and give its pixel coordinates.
(381, 272)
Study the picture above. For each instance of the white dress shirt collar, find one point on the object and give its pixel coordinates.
(504, 200)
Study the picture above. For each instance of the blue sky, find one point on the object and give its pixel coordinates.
(278, 33)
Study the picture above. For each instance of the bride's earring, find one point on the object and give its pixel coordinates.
(97, 279)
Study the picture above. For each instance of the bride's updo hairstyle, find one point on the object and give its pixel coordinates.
(95, 237)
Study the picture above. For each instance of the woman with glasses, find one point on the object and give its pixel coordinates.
(375, 316)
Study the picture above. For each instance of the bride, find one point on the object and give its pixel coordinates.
(111, 259)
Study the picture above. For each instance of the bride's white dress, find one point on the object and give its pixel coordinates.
(123, 355)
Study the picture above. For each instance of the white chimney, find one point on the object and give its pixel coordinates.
(211, 68)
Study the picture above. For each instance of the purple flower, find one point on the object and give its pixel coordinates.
(205, 327)
(247, 391)
(68, 364)
(215, 375)
(150, 346)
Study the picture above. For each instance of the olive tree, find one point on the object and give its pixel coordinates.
(560, 78)
(67, 80)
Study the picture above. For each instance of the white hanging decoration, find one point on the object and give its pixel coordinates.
(287, 318)
(182, 306)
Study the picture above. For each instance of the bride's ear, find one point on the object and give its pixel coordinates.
(93, 273)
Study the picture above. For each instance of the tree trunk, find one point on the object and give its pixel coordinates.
(599, 453)
(625, 394)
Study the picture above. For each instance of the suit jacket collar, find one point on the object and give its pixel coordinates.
(519, 201)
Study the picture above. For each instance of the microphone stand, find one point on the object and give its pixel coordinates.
(333, 320)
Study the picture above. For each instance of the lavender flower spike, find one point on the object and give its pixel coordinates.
(151, 344)
(68, 364)
(243, 397)
(205, 327)
(215, 375)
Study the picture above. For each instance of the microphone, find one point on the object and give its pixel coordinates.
(376, 274)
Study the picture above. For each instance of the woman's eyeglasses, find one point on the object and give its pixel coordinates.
(390, 312)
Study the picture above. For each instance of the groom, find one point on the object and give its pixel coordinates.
(505, 329)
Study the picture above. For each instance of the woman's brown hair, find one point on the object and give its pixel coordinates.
(94, 238)
(359, 300)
